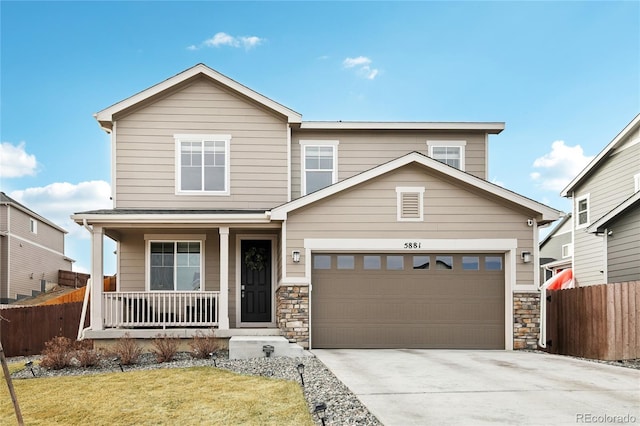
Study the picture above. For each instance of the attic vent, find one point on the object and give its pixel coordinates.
(410, 203)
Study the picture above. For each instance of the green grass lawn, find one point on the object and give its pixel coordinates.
(190, 396)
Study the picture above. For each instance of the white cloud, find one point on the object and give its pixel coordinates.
(224, 39)
(58, 201)
(558, 167)
(362, 65)
(15, 162)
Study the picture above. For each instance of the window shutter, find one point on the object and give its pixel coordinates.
(410, 205)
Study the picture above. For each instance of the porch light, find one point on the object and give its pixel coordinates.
(213, 357)
(296, 256)
(526, 256)
(29, 365)
(320, 410)
(267, 349)
(301, 372)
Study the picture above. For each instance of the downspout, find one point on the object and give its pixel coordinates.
(87, 291)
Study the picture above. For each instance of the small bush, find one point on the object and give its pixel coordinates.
(165, 348)
(127, 349)
(57, 353)
(203, 344)
(85, 354)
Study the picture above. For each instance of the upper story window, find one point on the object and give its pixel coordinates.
(319, 164)
(448, 152)
(567, 250)
(33, 226)
(202, 164)
(582, 211)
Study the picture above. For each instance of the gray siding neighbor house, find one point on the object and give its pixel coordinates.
(606, 226)
(31, 251)
(230, 211)
(556, 249)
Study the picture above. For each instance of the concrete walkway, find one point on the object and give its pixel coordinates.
(455, 387)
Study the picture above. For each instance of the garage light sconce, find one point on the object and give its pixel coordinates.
(296, 256)
(526, 256)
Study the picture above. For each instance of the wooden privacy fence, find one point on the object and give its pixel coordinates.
(28, 328)
(78, 295)
(72, 279)
(597, 322)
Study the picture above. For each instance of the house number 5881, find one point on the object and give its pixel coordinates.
(412, 245)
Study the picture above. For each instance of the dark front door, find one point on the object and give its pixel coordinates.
(255, 280)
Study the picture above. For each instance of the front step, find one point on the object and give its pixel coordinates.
(245, 347)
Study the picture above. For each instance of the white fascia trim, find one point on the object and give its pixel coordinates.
(289, 163)
(489, 127)
(106, 219)
(106, 115)
(397, 244)
(627, 130)
(114, 180)
(548, 213)
(175, 237)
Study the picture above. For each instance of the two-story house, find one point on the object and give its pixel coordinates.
(232, 212)
(606, 211)
(556, 249)
(31, 251)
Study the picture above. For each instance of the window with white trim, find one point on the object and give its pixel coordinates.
(567, 250)
(448, 152)
(582, 211)
(202, 164)
(175, 265)
(410, 203)
(33, 226)
(319, 167)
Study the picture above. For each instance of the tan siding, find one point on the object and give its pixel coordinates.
(4, 272)
(46, 235)
(145, 150)
(623, 249)
(608, 186)
(369, 211)
(360, 151)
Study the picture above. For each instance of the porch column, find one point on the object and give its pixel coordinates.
(223, 309)
(97, 274)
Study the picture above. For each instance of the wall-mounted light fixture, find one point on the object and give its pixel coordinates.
(296, 256)
(526, 256)
(529, 222)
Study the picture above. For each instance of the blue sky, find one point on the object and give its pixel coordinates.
(564, 76)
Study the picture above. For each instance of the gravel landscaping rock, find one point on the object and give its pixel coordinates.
(320, 385)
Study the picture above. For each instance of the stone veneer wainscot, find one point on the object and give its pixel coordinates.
(526, 320)
(293, 313)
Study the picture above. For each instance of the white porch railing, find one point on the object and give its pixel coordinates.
(161, 309)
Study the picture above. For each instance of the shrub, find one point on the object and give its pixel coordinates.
(127, 349)
(203, 344)
(85, 354)
(165, 347)
(57, 353)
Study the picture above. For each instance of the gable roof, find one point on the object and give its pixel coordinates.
(600, 225)
(548, 214)
(616, 142)
(105, 117)
(554, 231)
(6, 200)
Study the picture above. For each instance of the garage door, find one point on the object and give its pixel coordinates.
(430, 300)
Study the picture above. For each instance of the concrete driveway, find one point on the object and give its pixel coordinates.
(456, 387)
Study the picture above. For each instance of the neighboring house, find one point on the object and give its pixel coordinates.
(31, 251)
(232, 212)
(606, 226)
(556, 249)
